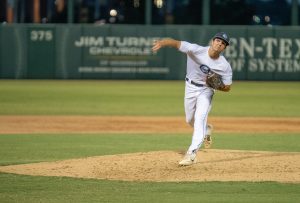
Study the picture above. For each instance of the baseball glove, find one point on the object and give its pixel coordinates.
(214, 81)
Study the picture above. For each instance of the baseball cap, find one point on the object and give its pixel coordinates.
(223, 36)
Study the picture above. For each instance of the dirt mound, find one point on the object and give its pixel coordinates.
(159, 166)
(139, 124)
(213, 165)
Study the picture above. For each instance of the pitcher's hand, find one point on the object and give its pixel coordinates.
(156, 46)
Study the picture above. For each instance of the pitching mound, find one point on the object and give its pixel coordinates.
(159, 166)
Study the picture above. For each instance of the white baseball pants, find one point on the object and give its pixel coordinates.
(197, 104)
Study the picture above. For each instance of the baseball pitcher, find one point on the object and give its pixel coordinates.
(207, 71)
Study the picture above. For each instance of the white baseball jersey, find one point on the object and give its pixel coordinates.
(199, 63)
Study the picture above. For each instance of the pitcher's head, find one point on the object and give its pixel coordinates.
(223, 36)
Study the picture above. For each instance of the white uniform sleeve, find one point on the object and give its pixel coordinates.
(227, 78)
(189, 48)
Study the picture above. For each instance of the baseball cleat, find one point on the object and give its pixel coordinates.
(188, 159)
(208, 137)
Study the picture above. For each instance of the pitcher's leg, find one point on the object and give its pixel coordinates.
(190, 100)
(209, 127)
(201, 114)
(190, 108)
(208, 134)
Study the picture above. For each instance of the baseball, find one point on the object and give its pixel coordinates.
(113, 12)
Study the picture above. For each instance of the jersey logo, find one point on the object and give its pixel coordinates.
(204, 68)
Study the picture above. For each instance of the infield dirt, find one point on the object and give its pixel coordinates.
(139, 124)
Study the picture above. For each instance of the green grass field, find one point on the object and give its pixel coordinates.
(142, 98)
(150, 98)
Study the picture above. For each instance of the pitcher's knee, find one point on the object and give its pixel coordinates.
(190, 121)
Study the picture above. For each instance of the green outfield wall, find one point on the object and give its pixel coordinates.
(124, 51)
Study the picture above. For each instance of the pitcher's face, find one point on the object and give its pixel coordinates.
(218, 45)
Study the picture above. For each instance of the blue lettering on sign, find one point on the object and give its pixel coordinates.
(205, 69)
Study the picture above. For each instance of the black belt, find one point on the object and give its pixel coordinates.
(194, 83)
